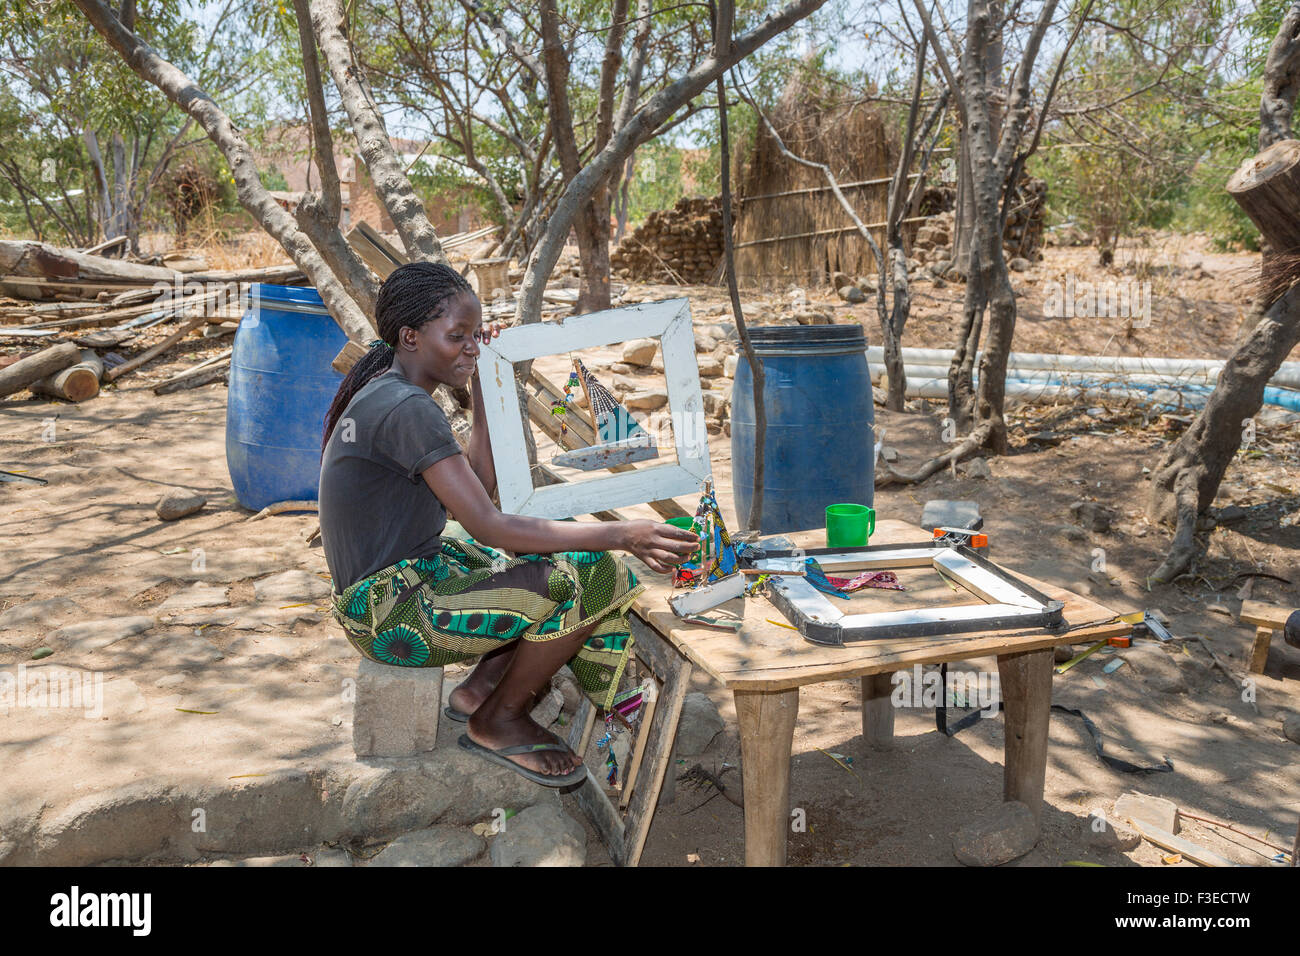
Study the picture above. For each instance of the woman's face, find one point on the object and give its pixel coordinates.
(446, 349)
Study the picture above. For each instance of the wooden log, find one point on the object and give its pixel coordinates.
(76, 383)
(46, 362)
(1267, 187)
(131, 365)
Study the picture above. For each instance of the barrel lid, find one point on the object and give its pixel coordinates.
(297, 294)
(807, 339)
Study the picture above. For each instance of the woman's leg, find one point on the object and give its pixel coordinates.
(487, 673)
(502, 719)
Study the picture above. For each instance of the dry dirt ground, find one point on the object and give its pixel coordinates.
(91, 535)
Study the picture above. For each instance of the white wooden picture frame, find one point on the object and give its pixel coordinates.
(670, 322)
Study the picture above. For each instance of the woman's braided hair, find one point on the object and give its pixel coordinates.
(412, 295)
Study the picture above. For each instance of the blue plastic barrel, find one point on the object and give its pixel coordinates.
(820, 421)
(281, 386)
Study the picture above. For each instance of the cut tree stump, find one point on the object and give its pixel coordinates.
(23, 373)
(1267, 187)
(76, 383)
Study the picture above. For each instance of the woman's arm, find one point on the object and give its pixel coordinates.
(479, 451)
(660, 546)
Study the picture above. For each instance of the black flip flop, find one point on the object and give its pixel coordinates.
(451, 713)
(574, 776)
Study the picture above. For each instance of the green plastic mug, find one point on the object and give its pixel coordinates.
(686, 523)
(849, 525)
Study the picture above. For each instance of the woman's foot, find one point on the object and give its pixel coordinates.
(497, 731)
(470, 694)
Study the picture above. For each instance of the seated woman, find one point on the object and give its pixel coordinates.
(391, 469)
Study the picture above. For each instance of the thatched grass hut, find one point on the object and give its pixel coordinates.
(790, 229)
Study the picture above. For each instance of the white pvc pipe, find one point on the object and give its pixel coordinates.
(1036, 391)
(1206, 370)
(1051, 376)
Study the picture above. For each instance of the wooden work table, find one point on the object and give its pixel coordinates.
(765, 664)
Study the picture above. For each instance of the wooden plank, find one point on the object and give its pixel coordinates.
(129, 312)
(605, 456)
(118, 371)
(1165, 839)
(878, 709)
(660, 748)
(1259, 649)
(624, 835)
(1026, 684)
(1265, 615)
(374, 250)
(767, 720)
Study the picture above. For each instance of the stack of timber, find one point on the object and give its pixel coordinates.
(64, 349)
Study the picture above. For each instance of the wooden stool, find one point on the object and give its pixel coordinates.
(1268, 618)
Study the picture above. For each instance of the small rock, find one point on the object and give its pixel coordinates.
(1093, 516)
(640, 351)
(852, 294)
(1156, 811)
(291, 587)
(1103, 834)
(840, 279)
(1018, 264)
(710, 368)
(1062, 653)
(1072, 532)
(548, 708)
(1231, 513)
(542, 835)
(436, 846)
(868, 284)
(621, 368)
(715, 403)
(699, 724)
(977, 468)
(889, 454)
(1291, 728)
(648, 399)
(178, 504)
(996, 836)
(41, 653)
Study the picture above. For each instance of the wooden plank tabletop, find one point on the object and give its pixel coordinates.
(766, 656)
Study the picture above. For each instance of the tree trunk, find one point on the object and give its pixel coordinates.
(1267, 187)
(891, 330)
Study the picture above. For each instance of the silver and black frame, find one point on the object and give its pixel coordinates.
(1008, 602)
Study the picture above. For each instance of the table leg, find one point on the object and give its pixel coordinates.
(766, 737)
(1026, 680)
(878, 709)
(1259, 650)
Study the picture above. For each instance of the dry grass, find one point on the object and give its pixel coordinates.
(853, 142)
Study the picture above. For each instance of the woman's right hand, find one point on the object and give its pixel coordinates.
(661, 546)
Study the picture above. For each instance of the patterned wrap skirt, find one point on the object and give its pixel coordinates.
(470, 599)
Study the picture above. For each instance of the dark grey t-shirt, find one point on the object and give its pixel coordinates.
(375, 507)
